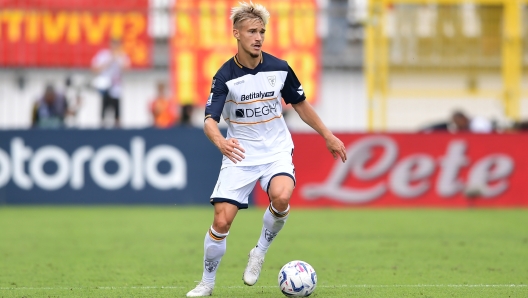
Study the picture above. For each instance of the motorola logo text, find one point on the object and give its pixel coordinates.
(135, 166)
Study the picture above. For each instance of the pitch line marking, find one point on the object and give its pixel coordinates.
(243, 287)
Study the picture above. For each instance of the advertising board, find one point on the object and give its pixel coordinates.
(175, 166)
(53, 33)
(204, 40)
(411, 170)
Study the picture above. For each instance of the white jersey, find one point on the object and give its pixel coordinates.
(111, 76)
(249, 100)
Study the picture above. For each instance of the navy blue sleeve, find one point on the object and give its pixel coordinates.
(292, 91)
(217, 98)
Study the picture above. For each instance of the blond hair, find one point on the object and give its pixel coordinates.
(249, 11)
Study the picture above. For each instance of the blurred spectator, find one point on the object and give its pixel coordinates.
(460, 122)
(109, 65)
(520, 126)
(186, 114)
(72, 92)
(164, 109)
(474, 124)
(50, 110)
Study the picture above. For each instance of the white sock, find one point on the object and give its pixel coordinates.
(273, 221)
(214, 249)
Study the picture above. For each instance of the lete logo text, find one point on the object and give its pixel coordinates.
(412, 175)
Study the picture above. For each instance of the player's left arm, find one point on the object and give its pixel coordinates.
(310, 117)
(293, 93)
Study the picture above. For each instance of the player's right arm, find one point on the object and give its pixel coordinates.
(213, 110)
(230, 147)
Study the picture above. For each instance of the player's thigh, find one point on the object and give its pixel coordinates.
(279, 179)
(234, 186)
(280, 190)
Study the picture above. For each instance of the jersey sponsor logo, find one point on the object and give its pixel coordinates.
(256, 95)
(209, 100)
(256, 112)
(271, 80)
(240, 113)
(300, 90)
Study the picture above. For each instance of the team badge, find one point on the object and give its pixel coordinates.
(271, 80)
(210, 266)
(270, 235)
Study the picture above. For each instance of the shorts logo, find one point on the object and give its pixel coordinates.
(270, 235)
(239, 113)
(210, 266)
(271, 80)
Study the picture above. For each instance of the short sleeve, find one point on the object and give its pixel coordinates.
(292, 91)
(217, 97)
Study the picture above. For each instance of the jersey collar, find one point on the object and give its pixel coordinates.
(243, 67)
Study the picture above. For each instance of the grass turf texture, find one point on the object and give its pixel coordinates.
(157, 252)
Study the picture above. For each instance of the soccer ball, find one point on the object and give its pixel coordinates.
(297, 279)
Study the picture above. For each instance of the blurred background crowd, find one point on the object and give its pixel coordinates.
(378, 66)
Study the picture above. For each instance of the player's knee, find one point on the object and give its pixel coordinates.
(221, 225)
(280, 202)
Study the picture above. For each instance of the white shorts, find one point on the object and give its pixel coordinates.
(235, 184)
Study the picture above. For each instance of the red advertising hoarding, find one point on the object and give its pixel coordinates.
(67, 33)
(411, 170)
(203, 41)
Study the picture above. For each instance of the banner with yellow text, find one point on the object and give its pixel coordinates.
(203, 41)
(68, 33)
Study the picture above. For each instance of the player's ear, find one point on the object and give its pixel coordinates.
(236, 34)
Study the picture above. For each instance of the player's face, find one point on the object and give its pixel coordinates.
(250, 34)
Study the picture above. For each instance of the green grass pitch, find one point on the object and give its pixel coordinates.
(157, 252)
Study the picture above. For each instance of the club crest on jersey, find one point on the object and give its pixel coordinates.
(271, 80)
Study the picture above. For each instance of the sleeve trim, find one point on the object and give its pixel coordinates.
(297, 100)
(217, 119)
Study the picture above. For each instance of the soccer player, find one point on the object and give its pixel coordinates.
(247, 93)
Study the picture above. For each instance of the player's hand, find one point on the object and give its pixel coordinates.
(232, 150)
(336, 147)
